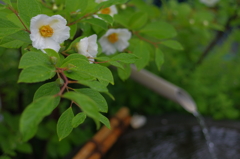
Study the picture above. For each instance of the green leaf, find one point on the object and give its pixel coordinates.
(122, 19)
(78, 119)
(27, 10)
(14, 19)
(8, 28)
(9, 42)
(22, 36)
(107, 60)
(97, 97)
(142, 51)
(107, 18)
(73, 31)
(88, 106)
(97, 22)
(36, 74)
(105, 121)
(95, 85)
(125, 58)
(138, 20)
(76, 5)
(32, 58)
(64, 124)
(25, 148)
(159, 30)
(124, 74)
(75, 56)
(48, 89)
(172, 44)
(34, 113)
(116, 64)
(159, 58)
(87, 69)
(52, 53)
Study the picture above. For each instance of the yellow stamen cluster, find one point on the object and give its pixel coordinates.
(105, 11)
(46, 31)
(113, 37)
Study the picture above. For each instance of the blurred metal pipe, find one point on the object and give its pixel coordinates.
(164, 88)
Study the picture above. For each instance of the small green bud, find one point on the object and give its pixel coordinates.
(60, 81)
(53, 60)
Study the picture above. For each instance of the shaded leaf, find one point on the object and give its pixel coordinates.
(142, 51)
(78, 119)
(34, 113)
(97, 22)
(26, 13)
(64, 124)
(48, 89)
(36, 74)
(172, 44)
(138, 19)
(32, 58)
(159, 58)
(97, 97)
(159, 30)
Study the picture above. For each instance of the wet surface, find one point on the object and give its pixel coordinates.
(178, 137)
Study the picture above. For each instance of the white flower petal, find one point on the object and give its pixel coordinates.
(124, 34)
(38, 21)
(107, 47)
(60, 32)
(113, 10)
(37, 41)
(51, 44)
(122, 43)
(61, 35)
(92, 46)
(82, 46)
(88, 46)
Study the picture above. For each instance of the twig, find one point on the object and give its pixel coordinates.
(16, 13)
(144, 39)
(74, 22)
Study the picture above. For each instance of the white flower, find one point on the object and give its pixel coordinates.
(209, 3)
(88, 47)
(115, 39)
(109, 10)
(48, 32)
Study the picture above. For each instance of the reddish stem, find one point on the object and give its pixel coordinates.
(16, 13)
(144, 39)
(74, 22)
(66, 81)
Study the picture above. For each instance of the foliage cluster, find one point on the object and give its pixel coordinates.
(50, 87)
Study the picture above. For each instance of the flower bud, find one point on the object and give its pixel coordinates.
(53, 60)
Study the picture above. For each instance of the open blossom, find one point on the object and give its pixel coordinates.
(109, 10)
(115, 40)
(48, 32)
(88, 47)
(209, 3)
